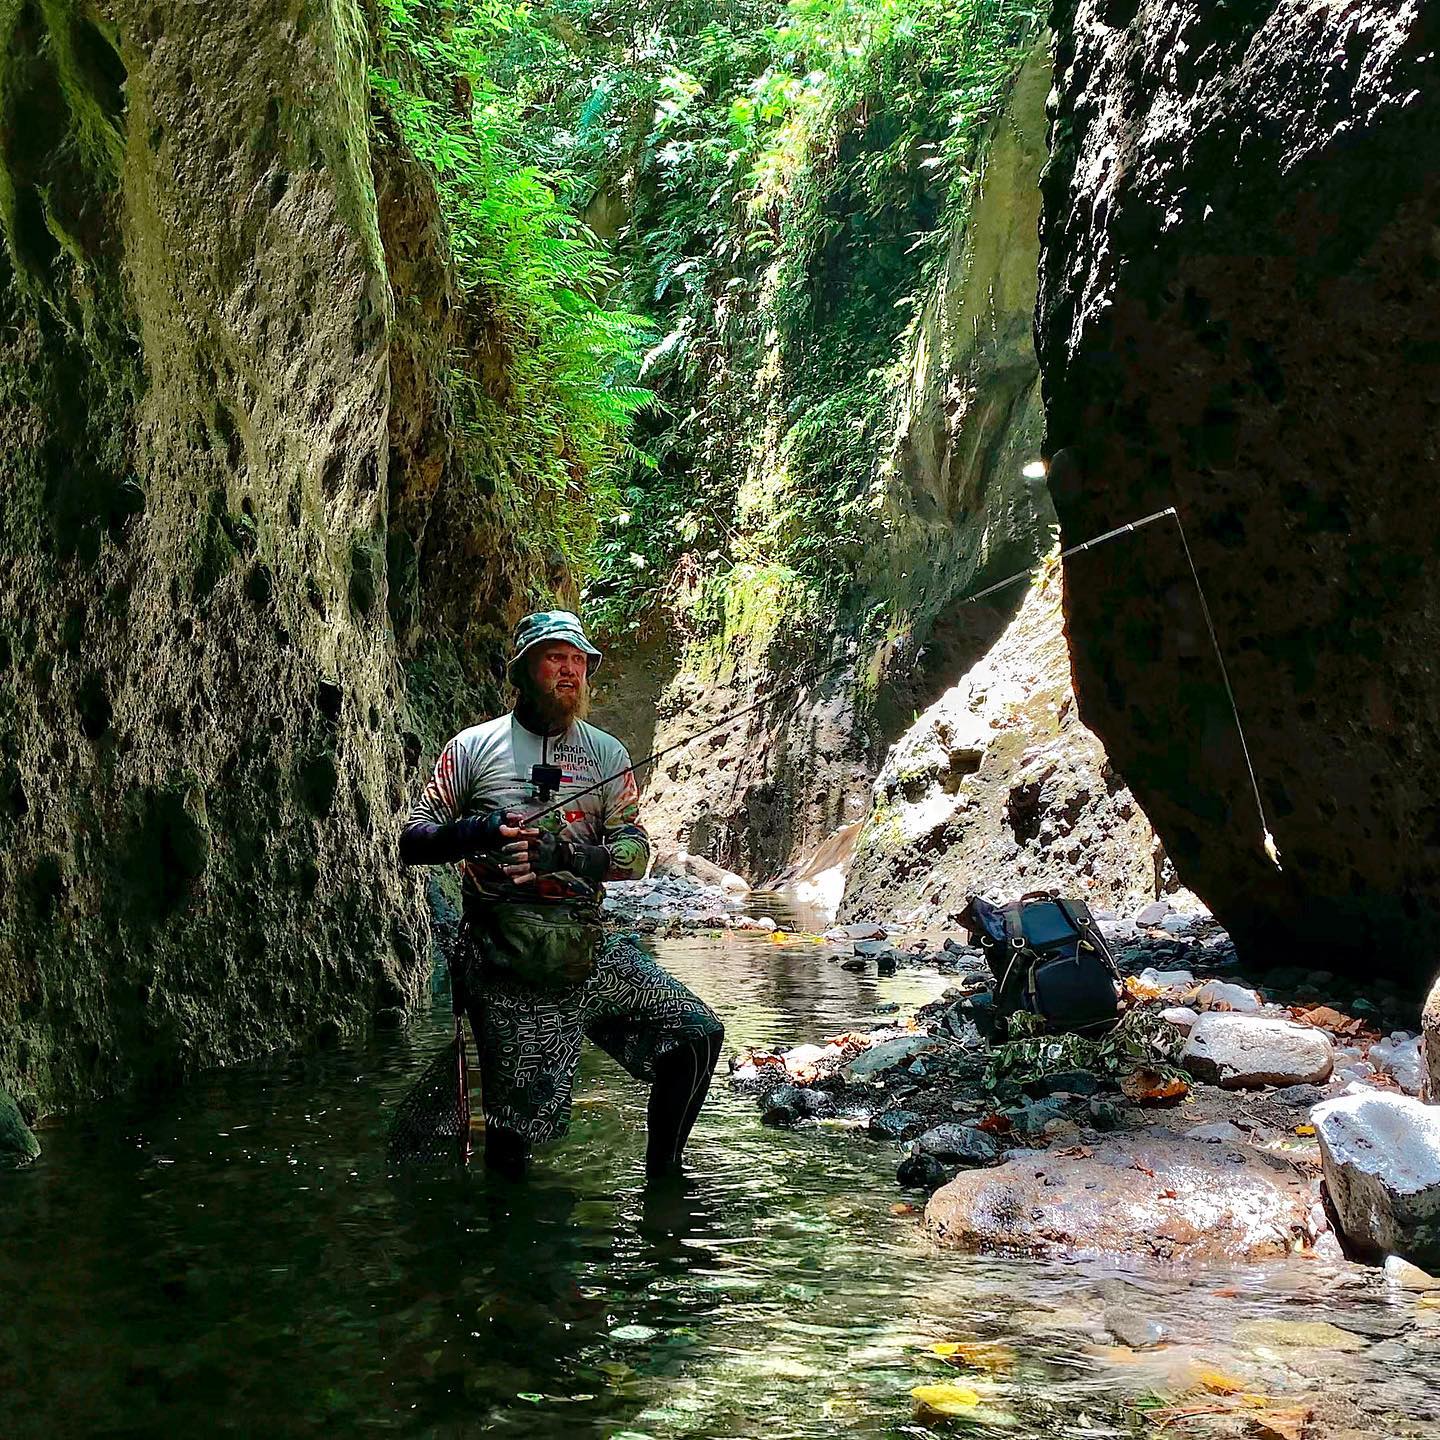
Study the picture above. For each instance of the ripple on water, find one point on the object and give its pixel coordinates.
(233, 1258)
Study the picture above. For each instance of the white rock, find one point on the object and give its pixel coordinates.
(1381, 1154)
(1182, 1017)
(802, 1055)
(1405, 1276)
(1400, 1056)
(1117, 931)
(1222, 995)
(1167, 979)
(1244, 1051)
(1178, 924)
(1153, 913)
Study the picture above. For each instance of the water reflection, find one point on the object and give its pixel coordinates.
(235, 1259)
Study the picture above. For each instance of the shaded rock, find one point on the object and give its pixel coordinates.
(18, 1145)
(1381, 1156)
(1067, 1082)
(1244, 1051)
(1216, 1131)
(1299, 1097)
(1193, 143)
(1157, 1195)
(897, 1124)
(858, 964)
(922, 1172)
(959, 1144)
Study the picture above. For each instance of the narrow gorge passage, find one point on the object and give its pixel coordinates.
(387, 386)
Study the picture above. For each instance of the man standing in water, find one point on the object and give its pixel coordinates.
(536, 972)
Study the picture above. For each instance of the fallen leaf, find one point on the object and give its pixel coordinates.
(982, 1354)
(996, 1124)
(945, 1399)
(1287, 1424)
(903, 1207)
(1304, 1129)
(1217, 1382)
(1150, 1087)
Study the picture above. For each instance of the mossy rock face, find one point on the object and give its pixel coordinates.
(201, 700)
(955, 513)
(18, 1145)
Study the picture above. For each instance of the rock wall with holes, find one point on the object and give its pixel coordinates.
(204, 741)
(1239, 289)
(998, 788)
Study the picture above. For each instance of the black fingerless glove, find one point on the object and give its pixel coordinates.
(481, 832)
(550, 853)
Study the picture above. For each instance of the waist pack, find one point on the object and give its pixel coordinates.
(1048, 957)
(550, 947)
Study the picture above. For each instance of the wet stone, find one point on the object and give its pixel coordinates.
(922, 1172)
(1132, 1327)
(959, 1144)
(897, 1125)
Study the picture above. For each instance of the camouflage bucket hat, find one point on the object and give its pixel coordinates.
(546, 625)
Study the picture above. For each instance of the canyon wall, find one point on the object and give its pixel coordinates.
(214, 282)
(1239, 288)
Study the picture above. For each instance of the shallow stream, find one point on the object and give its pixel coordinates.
(234, 1258)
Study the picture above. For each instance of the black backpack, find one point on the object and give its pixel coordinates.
(1048, 957)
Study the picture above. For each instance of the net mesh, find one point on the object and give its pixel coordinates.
(432, 1120)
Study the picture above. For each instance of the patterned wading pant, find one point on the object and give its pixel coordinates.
(529, 1039)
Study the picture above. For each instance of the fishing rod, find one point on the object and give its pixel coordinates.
(820, 673)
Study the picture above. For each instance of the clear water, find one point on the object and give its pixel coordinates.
(234, 1259)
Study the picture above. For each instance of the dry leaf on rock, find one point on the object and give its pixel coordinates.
(1153, 1087)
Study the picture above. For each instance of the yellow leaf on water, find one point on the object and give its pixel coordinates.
(945, 1399)
(1428, 1302)
(1217, 1382)
(1304, 1129)
(982, 1354)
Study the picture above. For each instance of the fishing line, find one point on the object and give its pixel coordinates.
(807, 677)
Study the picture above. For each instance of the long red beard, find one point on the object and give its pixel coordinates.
(554, 711)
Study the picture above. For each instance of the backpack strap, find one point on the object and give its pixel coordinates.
(1089, 931)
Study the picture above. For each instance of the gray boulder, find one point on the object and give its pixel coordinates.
(18, 1145)
(886, 1054)
(959, 1144)
(1381, 1156)
(1242, 1052)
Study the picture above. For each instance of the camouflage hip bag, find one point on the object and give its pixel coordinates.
(548, 947)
